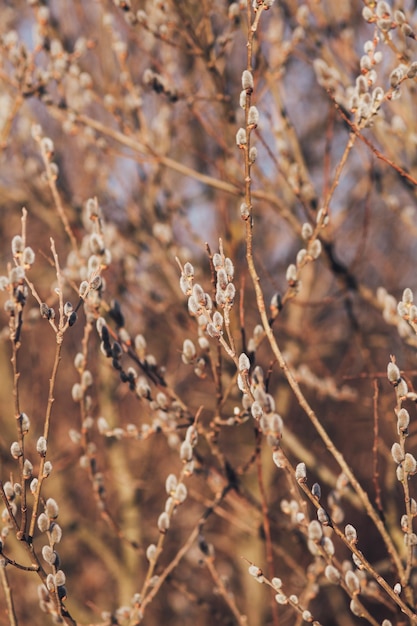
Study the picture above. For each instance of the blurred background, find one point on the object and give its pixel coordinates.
(141, 101)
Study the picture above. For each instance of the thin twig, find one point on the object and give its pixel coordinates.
(10, 609)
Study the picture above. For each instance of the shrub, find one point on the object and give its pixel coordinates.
(208, 259)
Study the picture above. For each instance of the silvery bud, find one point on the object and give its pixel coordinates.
(171, 484)
(47, 469)
(332, 574)
(16, 450)
(17, 245)
(51, 508)
(25, 423)
(247, 80)
(43, 522)
(393, 373)
(186, 452)
(397, 453)
(48, 555)
(291, 273)
(351, 534)
(27, 469)
(188, 351)
(352, 581)
(41, 446)
(253, 116)
(315, 531)
(410, 464)
(407, 296)
(151, 551)
(403, 420)
(244, 363)
(306, 231)
(241, 139)
(55, 533)
(301, 473)
(181, 493)
(163, 522)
